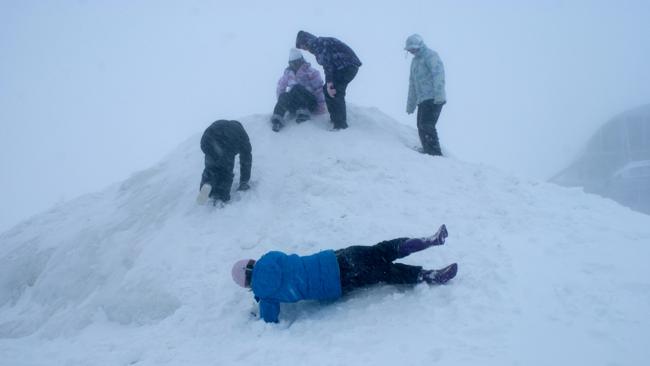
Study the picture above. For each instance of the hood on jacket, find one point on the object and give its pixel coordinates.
(304, 38)
(414, 42)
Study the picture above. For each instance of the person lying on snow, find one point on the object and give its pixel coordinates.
(277, 277)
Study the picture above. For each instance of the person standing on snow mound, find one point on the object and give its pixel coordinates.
(340, 64)
(277, 277)
(220, 143)
(427, 91)
(299, 91)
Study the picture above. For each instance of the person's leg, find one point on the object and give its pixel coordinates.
(362, 266)
(367, 265)
(302, 102)
(205, 188)
(330, 103)
(428, 114)
(209, 171)
(413, 245)
(300, 97)
(223, 176)
(340, 80)
(382, 254)
(420, 120)
(281, 107)
(400, 273)
(435, 142)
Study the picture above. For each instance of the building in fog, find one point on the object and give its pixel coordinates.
(616, 161)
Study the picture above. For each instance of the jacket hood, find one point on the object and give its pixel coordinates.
(304, 38)
(414, 41)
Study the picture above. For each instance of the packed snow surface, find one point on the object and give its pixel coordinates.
(140, 275)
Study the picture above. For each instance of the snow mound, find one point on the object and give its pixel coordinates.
(140, 275)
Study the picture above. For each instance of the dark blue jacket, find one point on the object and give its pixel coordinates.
(330, 53)
(278, 277)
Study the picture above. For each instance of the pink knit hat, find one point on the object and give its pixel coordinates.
(242, 272)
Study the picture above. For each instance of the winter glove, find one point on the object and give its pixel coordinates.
(330, 89)
(410, 110)
(243, 186)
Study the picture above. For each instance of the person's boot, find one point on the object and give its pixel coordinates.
(204, 194)
(417, 244)
(435, 149)
(432, 144)
(302, 115)
(277, 122)
(438, 276)
(340, 126)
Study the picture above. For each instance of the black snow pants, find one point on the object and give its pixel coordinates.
(428, 114)
(218, 172)
(336, 106)
(367, 265)
(296, 98)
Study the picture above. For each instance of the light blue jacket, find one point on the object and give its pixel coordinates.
(427, 79)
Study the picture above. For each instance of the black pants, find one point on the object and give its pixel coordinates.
(428, 114)
(218, 173)
(296, 98)
(336, 105)
(367, 265)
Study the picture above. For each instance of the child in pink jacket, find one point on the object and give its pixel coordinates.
(299, 92)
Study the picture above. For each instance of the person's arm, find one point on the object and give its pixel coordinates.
(282, 84)
(324, 57)
(245, 162)
(438, 75)
(411, 100)
(269, 310)
(329, 73)
(315, 81)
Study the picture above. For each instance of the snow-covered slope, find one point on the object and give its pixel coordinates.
(140, 275)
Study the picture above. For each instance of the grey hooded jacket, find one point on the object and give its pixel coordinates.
(427, 79)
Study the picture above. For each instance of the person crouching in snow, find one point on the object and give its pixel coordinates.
(340, 64)
(299, 91)
(220, 143)
(427, 91)
(277, 277)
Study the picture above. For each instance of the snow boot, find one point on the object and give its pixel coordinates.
(439, 237)
(204, 194)
(277, 122)
(340, 126)
(438, 276)
(417, 244)
(302, 115)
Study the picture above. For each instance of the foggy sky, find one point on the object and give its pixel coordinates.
(92, 91)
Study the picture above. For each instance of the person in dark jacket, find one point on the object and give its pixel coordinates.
(340, 64)
(277, 277)
(220, 143)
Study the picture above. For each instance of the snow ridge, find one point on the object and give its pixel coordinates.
(138, 274)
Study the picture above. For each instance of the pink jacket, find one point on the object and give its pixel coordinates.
(308, 77)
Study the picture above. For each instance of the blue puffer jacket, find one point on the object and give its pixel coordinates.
(330, 53)
(427, 79)
(278, 277)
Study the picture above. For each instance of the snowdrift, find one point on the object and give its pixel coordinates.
(138, 274)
